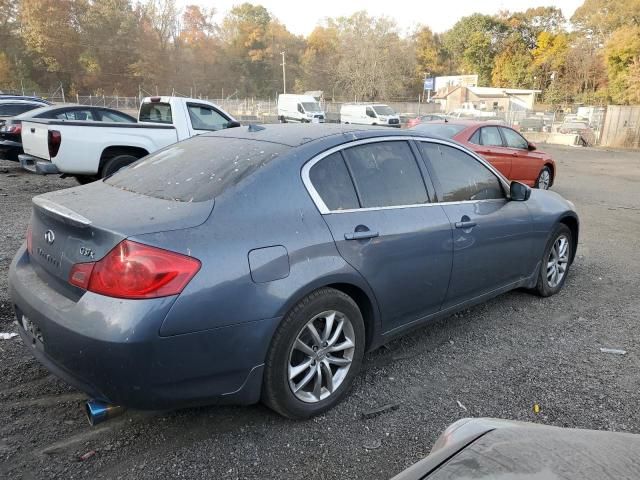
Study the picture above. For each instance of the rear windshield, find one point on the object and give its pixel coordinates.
(445, 130)
(156, 112)
(196, 170)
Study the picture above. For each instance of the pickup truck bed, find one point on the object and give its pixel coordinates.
(35, 139)
(89, 150)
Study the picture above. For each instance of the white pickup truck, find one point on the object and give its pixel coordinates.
(90, 150)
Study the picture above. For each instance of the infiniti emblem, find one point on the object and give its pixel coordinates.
(49, 237)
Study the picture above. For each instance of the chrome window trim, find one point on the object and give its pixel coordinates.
(324, 210)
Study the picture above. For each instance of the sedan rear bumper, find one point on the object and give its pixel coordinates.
(120, 357)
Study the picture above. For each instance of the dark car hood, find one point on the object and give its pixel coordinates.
(536, 452)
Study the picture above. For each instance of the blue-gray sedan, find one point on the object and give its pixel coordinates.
(261, 263)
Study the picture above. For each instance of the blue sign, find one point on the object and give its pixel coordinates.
(428, 83)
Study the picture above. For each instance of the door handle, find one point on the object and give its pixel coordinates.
(361, 235)
(466, 224)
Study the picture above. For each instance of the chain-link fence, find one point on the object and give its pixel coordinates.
(613, 126)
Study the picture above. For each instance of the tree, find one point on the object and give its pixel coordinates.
(512, 66)
(622, 56)
(473, 42)
(549, 58)
(373, 61)
(322, 51)
(50, 31)
(109, 34)
(598, 19)
(533, 21)
(431, 57)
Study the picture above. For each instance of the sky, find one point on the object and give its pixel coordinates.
(301, 17)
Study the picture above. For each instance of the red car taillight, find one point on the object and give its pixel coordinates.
(13, 129)
(133, 270)
(29, 241)
(53, 141)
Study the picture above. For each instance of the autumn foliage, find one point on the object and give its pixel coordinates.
(125, 47)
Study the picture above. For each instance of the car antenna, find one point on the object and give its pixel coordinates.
(255, 128)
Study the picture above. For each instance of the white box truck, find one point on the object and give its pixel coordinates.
(369, 114)
(300, 109)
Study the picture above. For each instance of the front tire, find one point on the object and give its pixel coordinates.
(545, 179)
(314, 355)
(555, 263)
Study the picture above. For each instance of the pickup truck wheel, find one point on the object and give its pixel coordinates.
(114, 164)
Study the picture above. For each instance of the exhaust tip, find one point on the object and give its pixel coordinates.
(98, 412)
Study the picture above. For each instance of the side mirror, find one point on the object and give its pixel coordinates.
(232, 124)
(519, 192)
(531, 147)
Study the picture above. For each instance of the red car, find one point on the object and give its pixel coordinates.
(430, 117)
(507, 150)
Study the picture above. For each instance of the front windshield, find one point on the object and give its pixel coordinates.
(311, 107)
(383, 110)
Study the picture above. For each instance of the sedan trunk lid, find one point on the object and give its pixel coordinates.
(72, 226)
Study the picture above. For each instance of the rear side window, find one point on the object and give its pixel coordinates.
(331, 180)
(461, 176)
(76, 115)
(156, 112)
(490, 136)
(386, 174)
(16, 109)
(197, 169)
(108, 116)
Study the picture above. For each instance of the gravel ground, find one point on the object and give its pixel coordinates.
(497, 360)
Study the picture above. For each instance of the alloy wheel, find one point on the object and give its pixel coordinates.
(321, 356)
(558, 261)
(544, 180)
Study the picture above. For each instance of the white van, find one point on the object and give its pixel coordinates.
(299, 108)
(369, 114)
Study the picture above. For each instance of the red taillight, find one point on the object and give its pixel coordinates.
(13, 129)
(29, 241)
(81, 274)
(134, 270)
(53, 140)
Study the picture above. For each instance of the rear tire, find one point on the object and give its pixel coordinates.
(310, 370)
(545, 179)
(114, 164)
(555, 262)
(84, 179)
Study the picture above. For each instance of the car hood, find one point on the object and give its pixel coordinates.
(517, 450)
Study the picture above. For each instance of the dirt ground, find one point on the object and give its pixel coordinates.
(496, 360)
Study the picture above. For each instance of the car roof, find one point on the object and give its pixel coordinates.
(19, 101)
(67, 107)
(296, 134)
(470, 123)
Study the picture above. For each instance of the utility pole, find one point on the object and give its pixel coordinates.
(284, 74)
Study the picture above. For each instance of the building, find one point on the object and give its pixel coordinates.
(486, 99)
